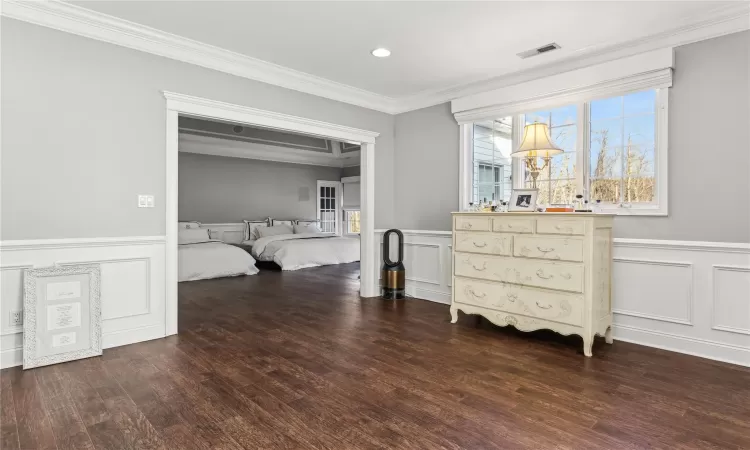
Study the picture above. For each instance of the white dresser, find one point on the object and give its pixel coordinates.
(535, 270)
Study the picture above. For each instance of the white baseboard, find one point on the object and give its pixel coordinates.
(718, 351)
(684, 296)
(427, 294)
(132, 286)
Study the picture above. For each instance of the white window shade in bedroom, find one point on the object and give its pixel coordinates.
(351, 195)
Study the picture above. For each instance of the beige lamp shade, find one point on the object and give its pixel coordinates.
(536, 142)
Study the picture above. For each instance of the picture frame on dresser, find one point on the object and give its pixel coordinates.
(535, 271)
(523, 200)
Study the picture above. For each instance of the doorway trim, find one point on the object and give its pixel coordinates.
(180, 104)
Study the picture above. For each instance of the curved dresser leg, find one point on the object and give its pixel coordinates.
(454, 315)
(587, 344)
(608, 336)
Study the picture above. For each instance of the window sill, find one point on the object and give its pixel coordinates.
(654, 211)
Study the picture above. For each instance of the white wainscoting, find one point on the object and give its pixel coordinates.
(427, 258)
(689, 297)
(132, 286)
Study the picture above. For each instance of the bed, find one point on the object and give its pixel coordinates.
(202, 258)
(302, 250)
(294, 244)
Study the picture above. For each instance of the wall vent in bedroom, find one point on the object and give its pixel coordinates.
(538, 51)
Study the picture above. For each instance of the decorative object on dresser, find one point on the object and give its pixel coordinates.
(523, 200)
(535, 271)
(536, 144)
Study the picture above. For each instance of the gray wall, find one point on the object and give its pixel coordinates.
(709, 147)
(426, 168)
(709, 153)
(350, 171)
(217, 189)
(69, 167)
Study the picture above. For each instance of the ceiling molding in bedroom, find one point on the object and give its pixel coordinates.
(84, 22)
(204, 145)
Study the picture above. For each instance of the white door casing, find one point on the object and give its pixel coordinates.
(180, 104)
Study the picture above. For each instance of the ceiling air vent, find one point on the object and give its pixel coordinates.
(538, 51)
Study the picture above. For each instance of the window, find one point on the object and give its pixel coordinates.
(491, 162)
(557, 182)
(329, 206)
(615, 151)
(352, 221)
(622, 142)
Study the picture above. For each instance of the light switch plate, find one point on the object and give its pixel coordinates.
(145, 201)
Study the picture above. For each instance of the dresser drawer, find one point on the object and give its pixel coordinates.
(548, 305)
(482, 242)
(559, 225)
(559, 276)
(547, 247)
(513, 225)
(472, 223)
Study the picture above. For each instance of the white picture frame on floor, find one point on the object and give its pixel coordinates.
(62, 314)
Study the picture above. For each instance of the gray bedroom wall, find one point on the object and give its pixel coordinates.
(709, 153)
(84, 132)
(217, 189)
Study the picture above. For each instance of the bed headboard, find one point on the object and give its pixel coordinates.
(231, 233)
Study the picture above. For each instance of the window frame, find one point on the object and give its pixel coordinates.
(338, 198)
(347, 222)
(659, 207)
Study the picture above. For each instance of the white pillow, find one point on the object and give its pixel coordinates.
(251, 228)
(192, 235)
(188, 225)
(275, 230)
(309, 228)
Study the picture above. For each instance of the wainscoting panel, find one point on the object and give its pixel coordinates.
(731, 302)
(688, 297)
(132, 286)
(665, 294)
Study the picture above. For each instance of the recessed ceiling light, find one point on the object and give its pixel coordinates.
(381, 52)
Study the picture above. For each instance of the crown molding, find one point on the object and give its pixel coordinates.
(102, 27)
(77, 20)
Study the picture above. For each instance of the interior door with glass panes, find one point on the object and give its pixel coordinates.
(329, 206)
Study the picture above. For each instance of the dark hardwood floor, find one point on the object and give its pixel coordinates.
(298, 360)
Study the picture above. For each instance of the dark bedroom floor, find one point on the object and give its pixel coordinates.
(298, 360)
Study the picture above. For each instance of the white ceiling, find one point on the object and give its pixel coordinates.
(435, 45)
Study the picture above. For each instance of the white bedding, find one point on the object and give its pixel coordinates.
(204, 259)
(297, 251)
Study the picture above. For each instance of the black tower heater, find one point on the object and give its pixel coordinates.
(393, 273)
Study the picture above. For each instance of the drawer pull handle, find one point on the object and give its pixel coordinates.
(566, 275)
(479, 269)
(474, 294)
(540, 274)
(543, 307)
(545, 250)
(466, 225)
(484, 244)
(566, 229)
